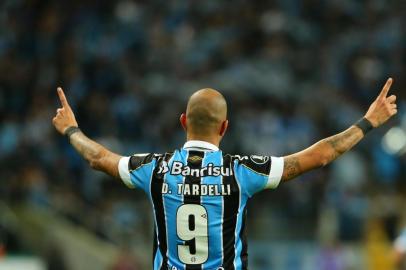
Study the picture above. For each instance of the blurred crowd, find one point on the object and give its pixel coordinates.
(293, 72)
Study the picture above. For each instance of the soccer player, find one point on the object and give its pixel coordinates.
(199, 193)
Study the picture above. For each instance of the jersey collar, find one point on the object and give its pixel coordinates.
(200, 145)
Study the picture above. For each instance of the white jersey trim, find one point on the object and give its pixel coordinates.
(275, 175)
(200, 144)
(124, 172)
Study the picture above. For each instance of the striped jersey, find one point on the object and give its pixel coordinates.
(199, 196)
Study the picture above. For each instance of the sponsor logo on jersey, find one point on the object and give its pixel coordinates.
(194, 159)
(178, 168)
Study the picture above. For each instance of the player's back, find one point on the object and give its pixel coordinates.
(199, 197)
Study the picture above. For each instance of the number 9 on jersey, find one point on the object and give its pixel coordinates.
(191, 227)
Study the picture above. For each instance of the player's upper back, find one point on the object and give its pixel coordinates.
(199, 160)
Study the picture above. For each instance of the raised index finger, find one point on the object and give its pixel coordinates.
(62, 98)
(386, 88)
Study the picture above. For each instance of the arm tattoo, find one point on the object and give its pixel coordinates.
(291, 167)
(343, 142)
(87, 148)
(321, 153)
(98, 156)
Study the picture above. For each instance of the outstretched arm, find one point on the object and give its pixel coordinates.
(327, 150)
(99, 157)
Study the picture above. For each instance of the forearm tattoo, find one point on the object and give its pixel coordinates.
(87, 148)
(321, 153)
(98, 156)
(343, 142)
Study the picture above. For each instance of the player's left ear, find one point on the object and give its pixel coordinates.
(223, 128)
(182, 120)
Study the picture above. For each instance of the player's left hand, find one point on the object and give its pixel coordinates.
(64, 117)
(383, 108)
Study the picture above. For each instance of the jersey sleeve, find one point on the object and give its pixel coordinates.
(136, 171)
(256, 173)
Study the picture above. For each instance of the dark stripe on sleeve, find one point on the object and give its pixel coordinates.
(157, 199)
(231, 205)
(243, 237)
(259, 164)
(194, 161)
(137, 161)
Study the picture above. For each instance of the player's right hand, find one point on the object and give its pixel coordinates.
(64, 117)
(383, 108)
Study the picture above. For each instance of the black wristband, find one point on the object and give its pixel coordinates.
(364, 125)
(70, 130)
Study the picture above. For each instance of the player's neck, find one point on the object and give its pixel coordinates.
(193, 137)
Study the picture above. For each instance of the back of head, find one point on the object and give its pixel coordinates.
(206, 111)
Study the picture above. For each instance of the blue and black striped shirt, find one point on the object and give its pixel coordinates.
(199, 196)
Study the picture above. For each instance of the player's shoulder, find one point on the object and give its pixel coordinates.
(138, 160)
